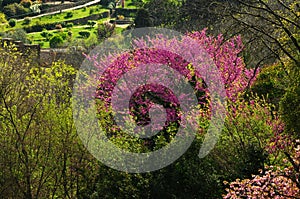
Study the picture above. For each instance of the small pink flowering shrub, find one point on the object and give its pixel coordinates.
(273, 182)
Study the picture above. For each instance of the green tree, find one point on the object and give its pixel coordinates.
(142, 19)
(41, 156)
(163, 13)
(56, 41)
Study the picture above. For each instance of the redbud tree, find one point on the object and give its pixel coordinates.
(225, 55)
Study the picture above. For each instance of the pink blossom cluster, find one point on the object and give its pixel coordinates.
(225, 55)
(274, 182)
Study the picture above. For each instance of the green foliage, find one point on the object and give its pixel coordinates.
(63, 35)
(7, 2)
(163, 12)
(15, 10)
(91, 41)
(39, 144)
(108, 3)
(92, 10)
(91, 23)
(84, 34)
(242, 148)
(56, 41)
(12, 22)
(2, 18)
(270, 83)
(27, 20)
(69, 25)
(290, 109)
(142, 19)
(18, 35)
(68, 15)
(105, 30)
(26, 3)
(290, 103)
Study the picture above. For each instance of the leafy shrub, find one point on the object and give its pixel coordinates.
(56, 41)
(63, 35)
(269, 83)
(26, 3)
(38, 27)
(70, 33)
(27, 20)
(105, 30)
(290, 103)
(2, 18)
(69, 25)
(12, 22)
(92, 10)
(41, 44)
(68, 15)
(15, 10)
(18, 34)
(84, 34)
(91, 23)
(46, 35)
(142, 19)
(7, 2)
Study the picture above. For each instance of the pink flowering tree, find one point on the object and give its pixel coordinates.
(225, 55)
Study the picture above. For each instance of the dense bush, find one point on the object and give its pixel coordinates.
(26, 3)
(37, 27)
(290, 102)
(84, 34)
(63, 35)
(7, 2)
(68, 15)
(270, 83)
(18, 35)
(46, 35)
(142, 19)
(2, 18)
(56, 41)
(27, 20)
(12, 22)
(92, 10)
(105, 30)
(91, 23)
(69, 25)
(15, 10)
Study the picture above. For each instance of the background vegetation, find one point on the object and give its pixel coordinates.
(257, 155)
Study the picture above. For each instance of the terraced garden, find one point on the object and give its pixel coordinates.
(70, 25)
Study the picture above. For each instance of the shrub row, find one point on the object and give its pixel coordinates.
(38, 27)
